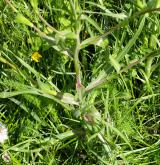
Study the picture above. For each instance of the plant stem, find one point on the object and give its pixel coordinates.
(76, 61)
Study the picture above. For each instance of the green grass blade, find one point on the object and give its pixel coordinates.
(127, 48)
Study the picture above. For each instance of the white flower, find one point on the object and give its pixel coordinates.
(6, 157)
(3, 133)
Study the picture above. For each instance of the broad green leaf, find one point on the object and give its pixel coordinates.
(99, 80)
(33, 91)
(69, 99)
(148, 66)
(140, 4)
(89, 41)
(21, 19)
(65, 135)
(15, 93)
(64, 52)
(56, 138)
(158, 4)
(46, 87)
(34, 4)
(153, 41)
(14, 160)
(65, 22)
(67, 33)
(115, 63)
(102, 42)
(96, 40)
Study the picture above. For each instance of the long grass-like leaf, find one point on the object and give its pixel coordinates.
(127, 48)
(35, 92)
(92, 22)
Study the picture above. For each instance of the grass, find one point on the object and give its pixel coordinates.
(80, 82)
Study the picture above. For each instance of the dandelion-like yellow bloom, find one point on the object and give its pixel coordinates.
(36, 57)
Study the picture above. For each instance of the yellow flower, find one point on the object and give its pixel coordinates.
(36, 57)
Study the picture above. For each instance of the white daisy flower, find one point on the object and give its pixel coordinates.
(3, 133)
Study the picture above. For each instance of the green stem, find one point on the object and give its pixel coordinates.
(74, 6)
(76, 59)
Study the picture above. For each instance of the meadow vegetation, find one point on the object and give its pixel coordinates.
(79, 81)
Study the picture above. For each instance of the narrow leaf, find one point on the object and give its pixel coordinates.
(21, 19)
(92, 22)
(127, 48)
